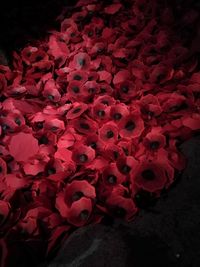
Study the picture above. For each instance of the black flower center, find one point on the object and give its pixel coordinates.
(93, 145)
(39, 125)
(126, 169)
(125, 89)
(110, 134)
(18, 121)
(90, 34)
(101, 113)
(112, 179)
(148, 175)
(1, 169)
(75, 89)
(84, 126)
(50, 97)
(5, 127)
(43, 140)
(51, 171)
(77, 77)
(76, 110)
(73, 34)
(103, 90)
(84, 215)
(81, 62)
(130, 126)
(83, 158)
(154, 145)
(117, 116)
(116, 154)
(76, 196)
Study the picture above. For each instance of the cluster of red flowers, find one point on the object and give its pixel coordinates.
(91, 117)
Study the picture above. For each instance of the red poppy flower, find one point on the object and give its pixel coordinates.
(54, 125)
(105, 99)
(51, 91)
(108, 132)
(83, 154)
(127, 90)
(100, 112)
(112, 152)
(94, 142)
(150, 106)
(85, 126)
(154, 139)
(58, 49)
(121, 207)
(81, 61)
(77, 75)
(150, 176)
(131, 126)
(80, 212)
(192, 122)
(105, 89)
(111, 175)
(75, 90)
(78, 189)
(31, 54)
(91, 88)
(125, 164)
(118, 111)
(76, 110)
(38, 69)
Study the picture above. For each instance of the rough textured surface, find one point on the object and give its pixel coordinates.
(166, 234)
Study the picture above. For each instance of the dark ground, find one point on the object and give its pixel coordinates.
(164, 235)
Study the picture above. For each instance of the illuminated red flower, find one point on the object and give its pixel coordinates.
(85, 126)
(108, 132)
(154, 139)
(31, 54)
(127, 90)
(75, 90)
(118, 112)
(83, 154)
(150, 176)
(77, 75)
(100, 112)
(125, 164)
(112, 176)
(131, 126)
(81, 61)
(76, 110)
(51, 91)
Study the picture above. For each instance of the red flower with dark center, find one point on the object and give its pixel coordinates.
(118, 112)
(150, 176)
(83, 154)
(77, 110)
(81, 61)
(108, 132)
(78, 189)
(85, 126)
(105, 89)
(106, 100)
(121, 207)
(100, 112)
(75, 90)
(94, 142)
(113, 152)
(126, 164)
(54, 125)
(77, 75)
(79, 211)
(127, 90)
(112, 176)
(154, 140)
(91, 88)
(51, 91)
(131, 126)
(32, 54)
